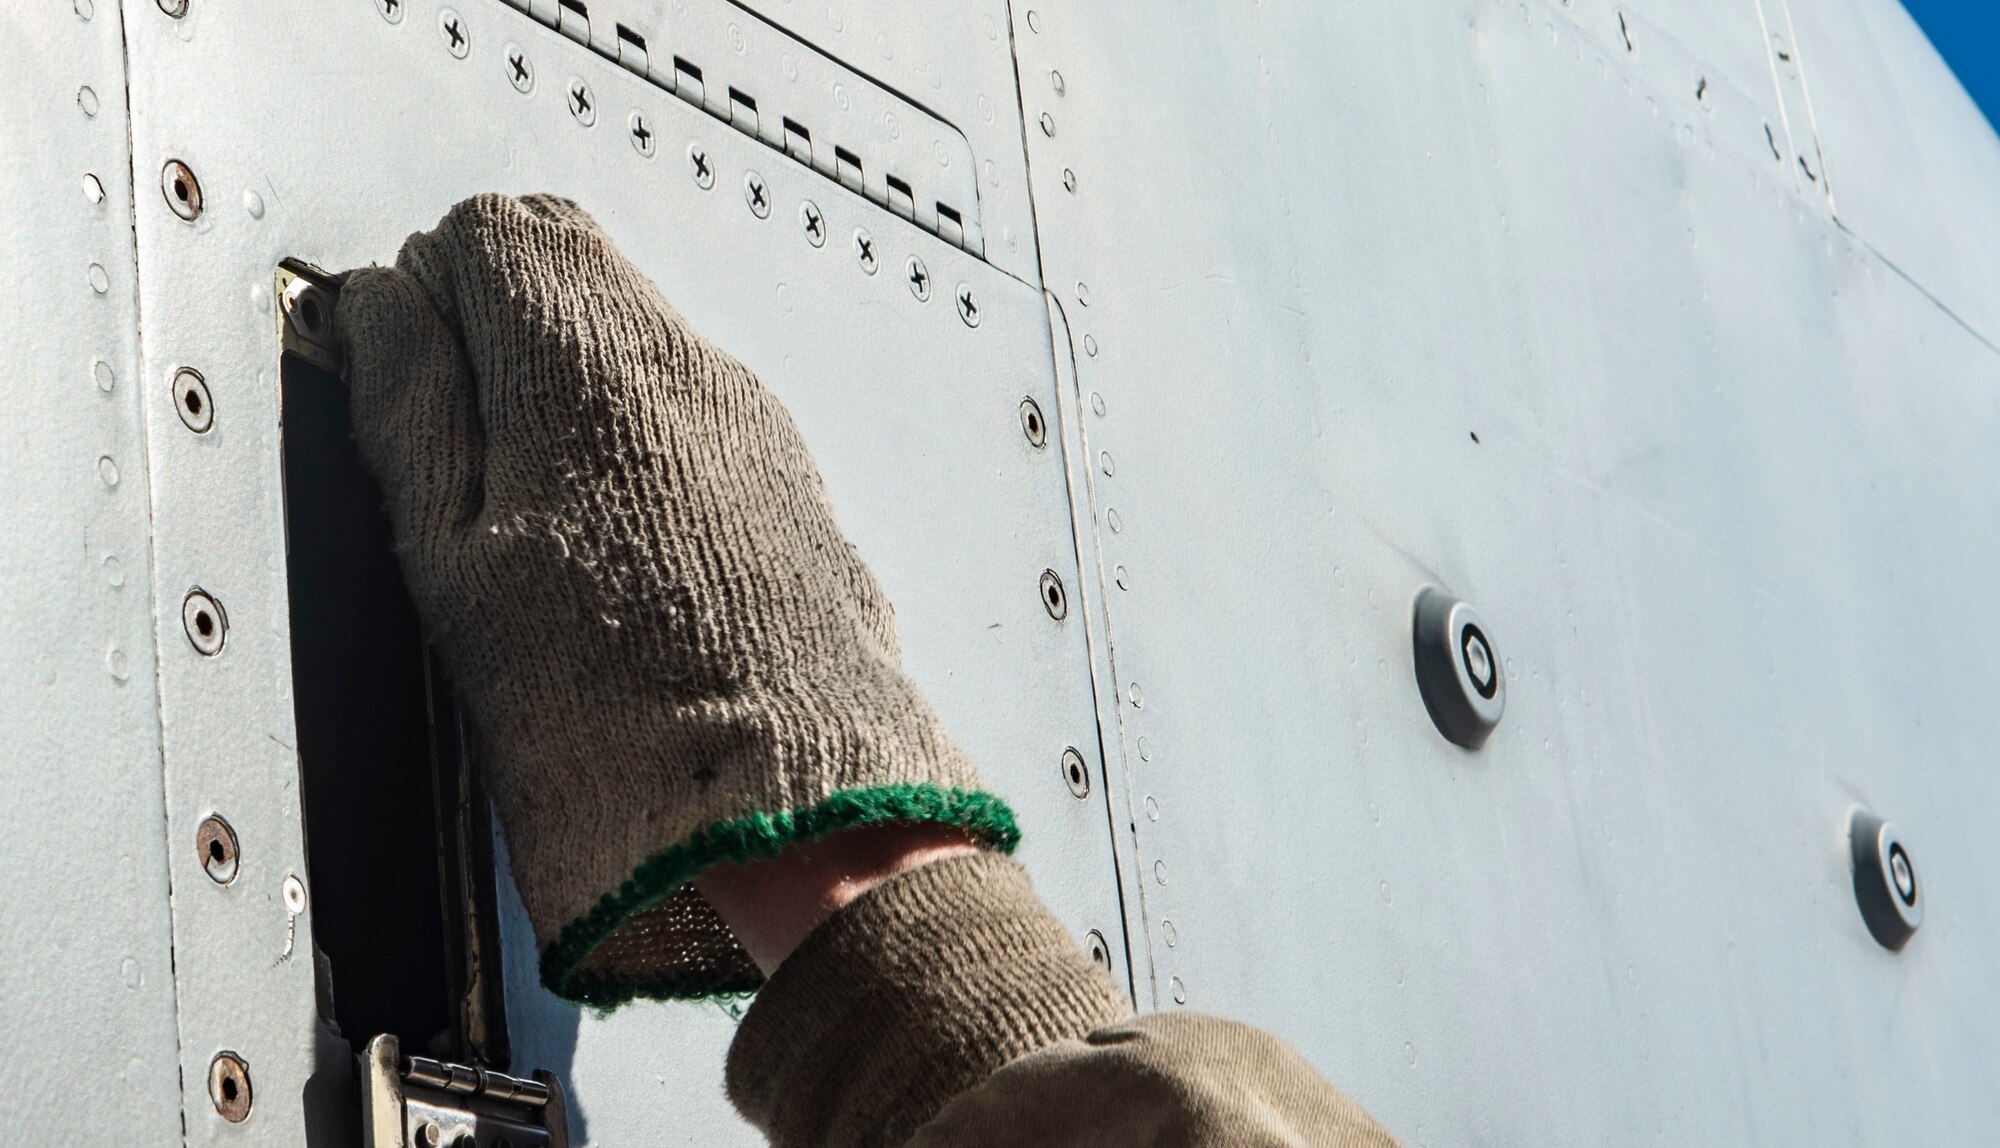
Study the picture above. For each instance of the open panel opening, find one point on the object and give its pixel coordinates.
(398, 834)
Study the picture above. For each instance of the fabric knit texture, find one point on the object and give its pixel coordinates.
(623, 553)
(946, 1008)
(917, 991)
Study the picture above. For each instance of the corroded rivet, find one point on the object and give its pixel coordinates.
(1100, 950)
(215, 843)
(182, 191)
(1075, 773)
(229, 1086)
(1032, 423)
(202, 618)
(1054, 600)
(191, 399)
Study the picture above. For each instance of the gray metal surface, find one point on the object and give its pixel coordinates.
(1464, 293)
(911, 411)
(1662, 332)
(86, 974)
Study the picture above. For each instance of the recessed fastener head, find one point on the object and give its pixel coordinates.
(1033, 424)
(181, 189)
(1075, 773)
(1458, 671)
(204, 621)
(1885, 880)
(215, 843)
(229, 1086)
(1054, 599)
(1100, 950)
(191, 399)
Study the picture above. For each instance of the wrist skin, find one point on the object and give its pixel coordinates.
(774, 905)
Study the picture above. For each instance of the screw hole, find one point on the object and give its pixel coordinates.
(193, 400)
(204, 624)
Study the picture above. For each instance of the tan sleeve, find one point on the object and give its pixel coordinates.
(1166, 1079)
(948, 1007)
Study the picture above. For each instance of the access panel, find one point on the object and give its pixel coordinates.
(920, 374)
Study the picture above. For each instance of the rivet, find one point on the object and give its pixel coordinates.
(107, 471)
(700, 167)
(918, 277)
(1114, 520)
(1090, 348)
(1885, 880)
(206, 625)
(813, 223)
(1160, 871)
(1075, 773)
(1034, 21)
(229, 1086)
(431, 1135)
(1032, 423)
(1054, 600)
(191, 399)
(1100, 950)
(1069, 180)
(1083, 293)
(93, 188)
(1123, 577)
(1056, 82)
(1096, 397)
(100, 279)
(1105, 464)
(106, 378)
(253, 204)
(1458, 673)
(85, 9)
(1152, 808)
(757, 195)
(451, 27)
(582, 101)
(1138, 699)
(215, 844)
(1048, 125)
(181, 189)
(86, 101)
(640, 133)
(294, 892)
(174, 8)
(1169, 933)
(968, 308)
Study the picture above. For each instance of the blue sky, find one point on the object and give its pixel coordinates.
(1967, 35)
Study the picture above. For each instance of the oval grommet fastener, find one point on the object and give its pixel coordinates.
(1458, 671)
(1885, 880)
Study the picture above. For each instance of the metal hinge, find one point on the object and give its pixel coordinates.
(795, 99)
(417, 1102)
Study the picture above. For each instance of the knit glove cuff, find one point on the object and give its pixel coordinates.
(915, 992)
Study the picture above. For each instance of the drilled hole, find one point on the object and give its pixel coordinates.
(204, 624)
(193, 401)
(217, 853)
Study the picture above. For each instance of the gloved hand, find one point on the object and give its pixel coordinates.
(621, 550)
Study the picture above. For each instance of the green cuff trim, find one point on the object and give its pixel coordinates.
(755, 837)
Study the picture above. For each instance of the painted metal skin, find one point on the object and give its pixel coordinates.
(1663, 334)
